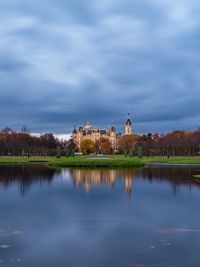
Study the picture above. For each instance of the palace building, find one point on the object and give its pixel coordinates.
(95, 134)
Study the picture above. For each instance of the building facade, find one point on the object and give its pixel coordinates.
(95, 134)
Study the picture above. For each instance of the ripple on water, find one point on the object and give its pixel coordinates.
(5, 246)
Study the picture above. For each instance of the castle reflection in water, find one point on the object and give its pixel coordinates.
(26, 176)
(88, 178)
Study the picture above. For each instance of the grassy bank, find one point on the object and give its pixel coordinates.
(196, 177)
(173, 160)
(22, 160)
(97, 161)
(79, 161)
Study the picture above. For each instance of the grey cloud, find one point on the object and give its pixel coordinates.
(62, 62)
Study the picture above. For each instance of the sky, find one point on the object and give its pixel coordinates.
(69, 61)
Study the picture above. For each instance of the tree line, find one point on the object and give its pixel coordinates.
(176, 143)
(24, 144)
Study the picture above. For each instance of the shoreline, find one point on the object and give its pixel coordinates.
(108, 161)
(171, 164)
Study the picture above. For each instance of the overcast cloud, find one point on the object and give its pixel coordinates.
(66, 61)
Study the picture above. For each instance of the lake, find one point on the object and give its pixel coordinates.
(106, 218)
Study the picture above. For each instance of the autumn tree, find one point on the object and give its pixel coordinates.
(88, 146)
(176, 143)
(23, 143)
(104, 146)
(127, 142)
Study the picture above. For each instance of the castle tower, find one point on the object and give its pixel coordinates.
(128, 125)
(113, 137)
(88, 126)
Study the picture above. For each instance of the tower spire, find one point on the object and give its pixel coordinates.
(128, 125)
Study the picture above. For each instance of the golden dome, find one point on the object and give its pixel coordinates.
(87, 126)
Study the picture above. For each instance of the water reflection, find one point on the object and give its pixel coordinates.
(176, 176)
(58, 224)
(25, 175)
(93, 178)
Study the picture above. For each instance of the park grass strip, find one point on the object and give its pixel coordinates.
(97, 162)
(196, 177)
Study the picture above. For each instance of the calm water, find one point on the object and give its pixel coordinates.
(88, 218)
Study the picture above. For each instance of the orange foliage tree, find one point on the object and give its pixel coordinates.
(21, 143)
(177, 143)
(88, 147)
(104, 146)
(127, 142)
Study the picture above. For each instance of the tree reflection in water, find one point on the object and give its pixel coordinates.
(25, 175)
(175, 175)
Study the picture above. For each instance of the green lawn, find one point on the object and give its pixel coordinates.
(78, 161)
(197, 177)
(174, 160)
(98, 161)
(21, 160)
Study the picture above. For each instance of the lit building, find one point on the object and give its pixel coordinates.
(128, 126)
(94, 178)
(96, 134)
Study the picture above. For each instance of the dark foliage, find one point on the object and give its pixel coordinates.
(177, 143)
(24, 144)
